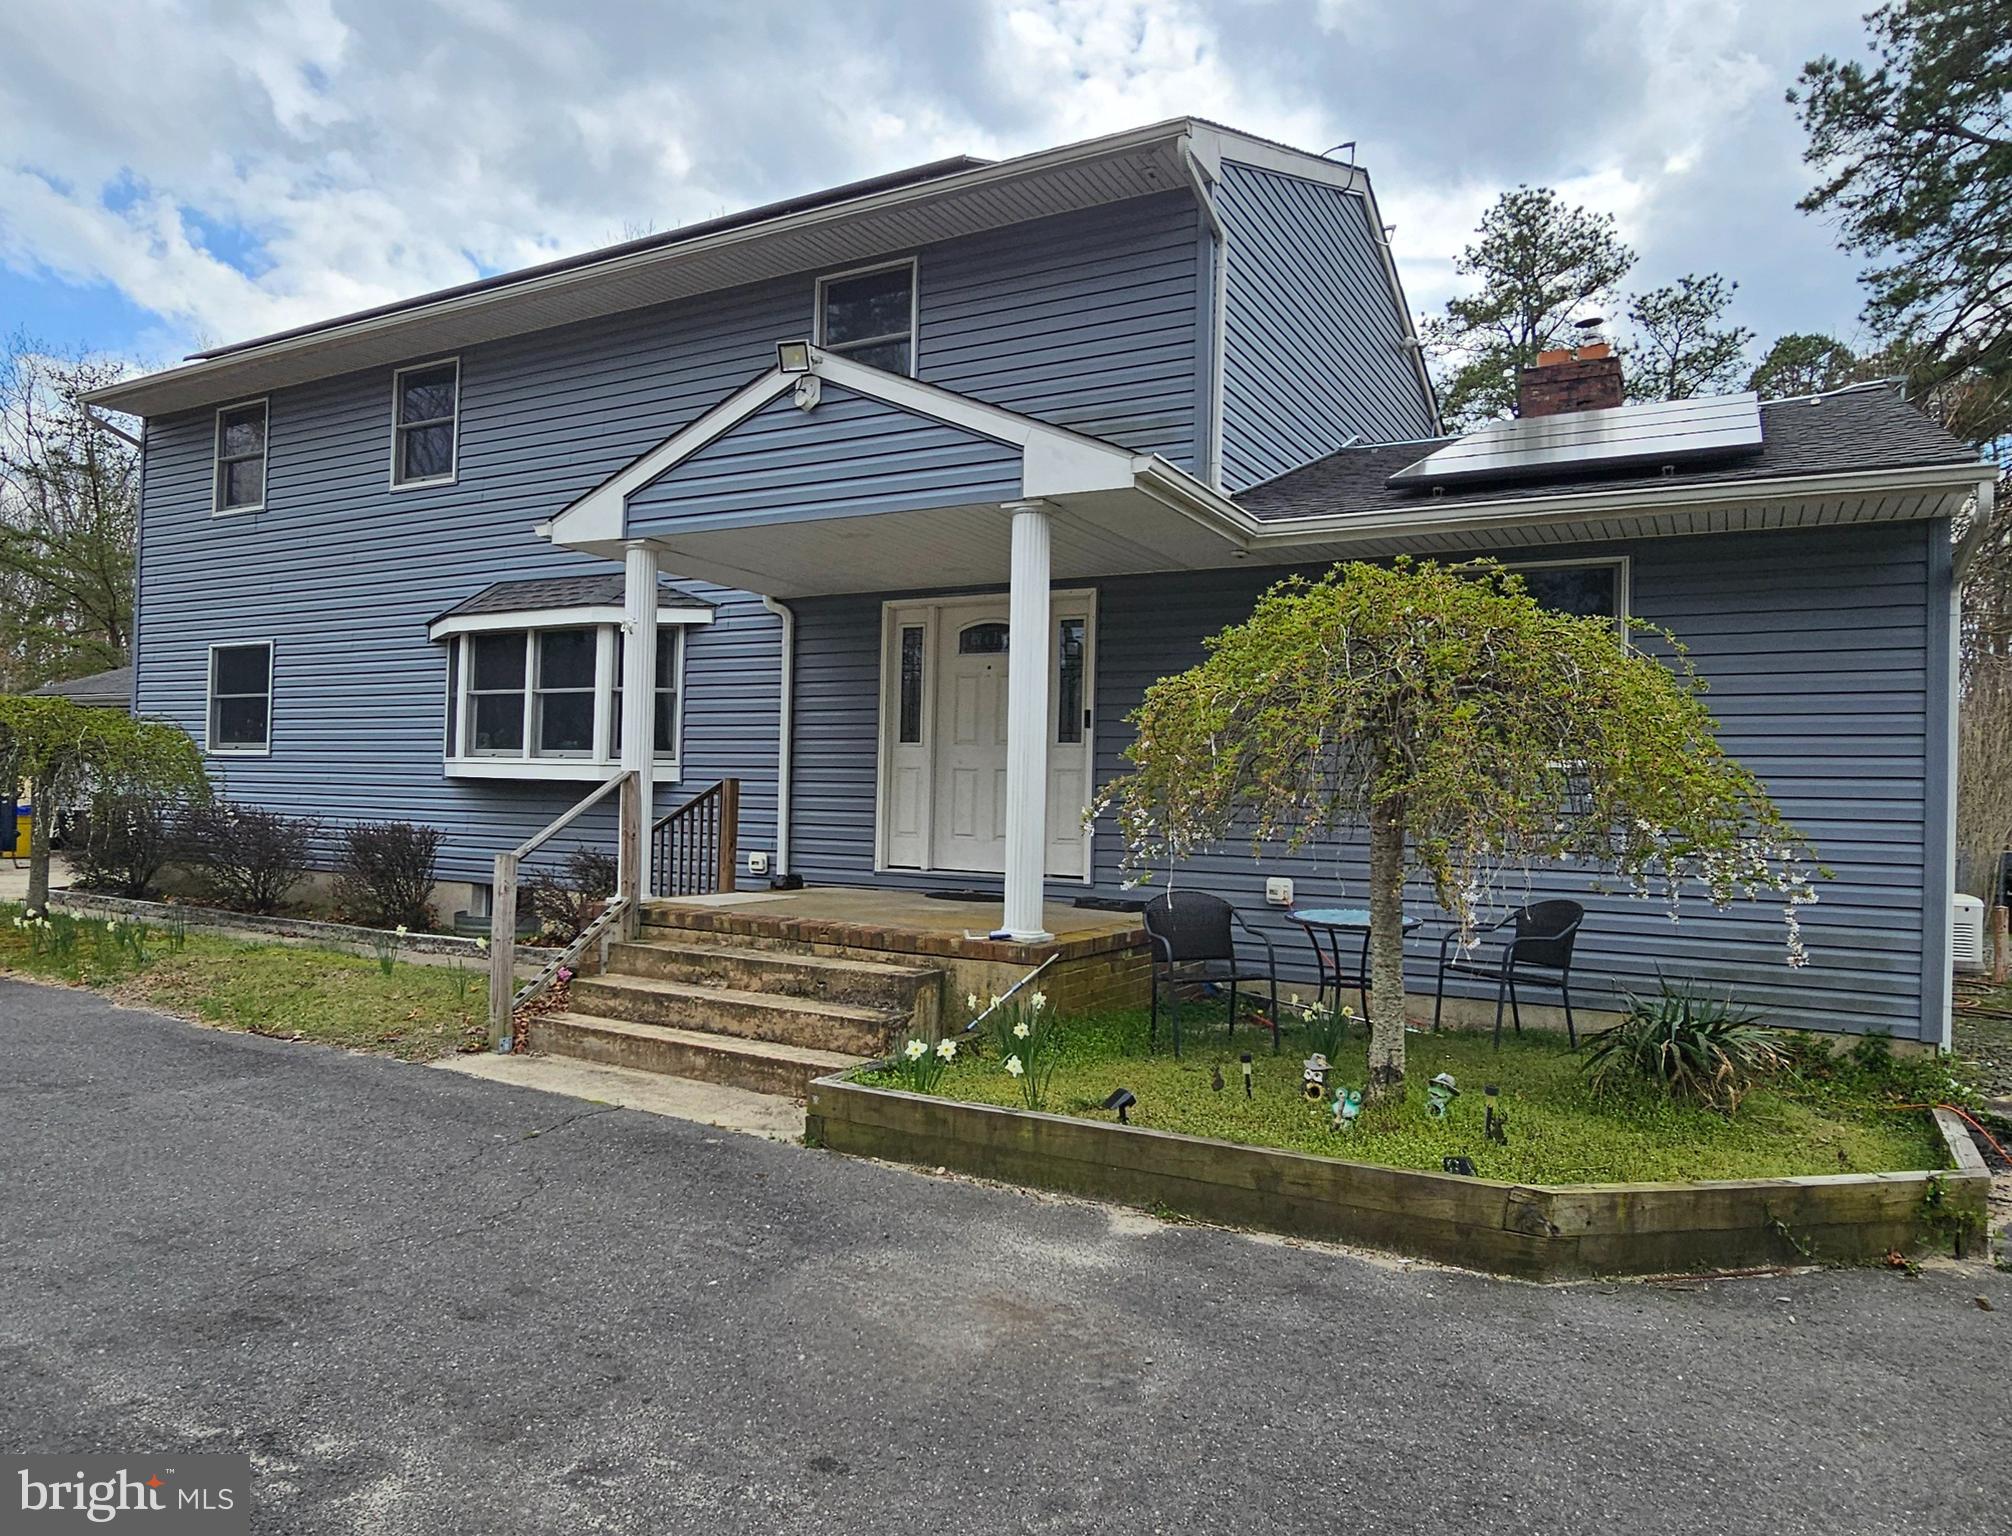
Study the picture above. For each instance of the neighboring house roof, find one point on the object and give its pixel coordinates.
(554, 592)
(1865, 427)
(859, 222)
(101, 690)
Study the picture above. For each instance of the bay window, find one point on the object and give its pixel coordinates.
(546, 702)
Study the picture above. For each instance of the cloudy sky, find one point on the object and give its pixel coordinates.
(180, 172)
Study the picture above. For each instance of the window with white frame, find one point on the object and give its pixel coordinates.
(669, 662)
(547, 701)
(425, 406)
(240, 457)
(869, 316)
(240, 706)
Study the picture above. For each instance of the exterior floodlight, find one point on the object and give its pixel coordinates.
(793, 356)
(1121, 1099)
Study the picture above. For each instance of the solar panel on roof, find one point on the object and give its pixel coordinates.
(1666, 432)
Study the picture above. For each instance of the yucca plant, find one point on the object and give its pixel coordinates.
(1706, 1049)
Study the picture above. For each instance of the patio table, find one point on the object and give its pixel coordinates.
(1325, 927)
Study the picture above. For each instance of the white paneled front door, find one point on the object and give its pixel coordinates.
(942, 803)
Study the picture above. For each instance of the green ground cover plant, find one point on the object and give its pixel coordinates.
(294, 991)
(1837, 1116)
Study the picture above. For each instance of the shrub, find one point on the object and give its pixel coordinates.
(128, 840)
(1688, 1045)
(248, 857)
(385, 874)
(565, 904)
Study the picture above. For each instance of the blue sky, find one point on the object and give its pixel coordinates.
(175, 173)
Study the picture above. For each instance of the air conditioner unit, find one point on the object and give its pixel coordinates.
(1966, 935)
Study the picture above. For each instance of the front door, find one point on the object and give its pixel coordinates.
(943, 735)
(971, 744)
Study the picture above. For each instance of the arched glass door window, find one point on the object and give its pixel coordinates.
(987, 639)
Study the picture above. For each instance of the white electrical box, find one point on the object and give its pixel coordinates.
(758, 863)
(1966, 934)
(1278, 892)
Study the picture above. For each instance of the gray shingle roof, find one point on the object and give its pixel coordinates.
(101, 690)
(1867, 427)
(596, 591)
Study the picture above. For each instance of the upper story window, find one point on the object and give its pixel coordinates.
(425, 403)
(869, 316)
(240, 472)
(240, 709)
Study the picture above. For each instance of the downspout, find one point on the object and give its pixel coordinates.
(785, 731)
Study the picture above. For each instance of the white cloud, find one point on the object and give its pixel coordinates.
(251, 164)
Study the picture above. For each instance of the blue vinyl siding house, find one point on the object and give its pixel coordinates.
(849, 442)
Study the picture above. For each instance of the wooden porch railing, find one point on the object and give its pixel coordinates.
(695, 850)
(505, 997)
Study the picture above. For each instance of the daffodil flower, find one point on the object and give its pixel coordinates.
(1020, 1031)
(946, 1049)
(916, 1050)
(1013, 1067)
(1038, 1001)
(970, 1002)
(401, 930)
(481, 943)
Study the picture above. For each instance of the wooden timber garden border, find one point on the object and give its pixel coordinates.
(1535, 1232)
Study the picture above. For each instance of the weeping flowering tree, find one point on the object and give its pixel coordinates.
(61, 748)
(1468, 730)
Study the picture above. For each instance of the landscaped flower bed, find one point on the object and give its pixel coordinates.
(1824, 1166)
(1557, 1131)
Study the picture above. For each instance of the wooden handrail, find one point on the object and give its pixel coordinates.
(525, 850)
(695, 850)
(503, 995)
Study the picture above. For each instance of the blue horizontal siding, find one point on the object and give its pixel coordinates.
(1314, 347)
(850, 456)
(1845, 761)
(1086, 320)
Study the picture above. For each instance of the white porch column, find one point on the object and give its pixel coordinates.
(639, 698)
(1027, 723)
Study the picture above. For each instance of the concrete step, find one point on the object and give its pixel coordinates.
(809, 1023)
(760, 1066)
(862, 983)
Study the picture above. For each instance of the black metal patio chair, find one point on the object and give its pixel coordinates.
(1194, 936)
(1538, 953)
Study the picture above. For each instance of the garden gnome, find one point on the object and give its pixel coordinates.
(1439, 1095)
(1347, 1105)
(1313, 1079)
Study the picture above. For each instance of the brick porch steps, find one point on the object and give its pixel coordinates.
(774, 1017)
(763, 1066)
(739, 968)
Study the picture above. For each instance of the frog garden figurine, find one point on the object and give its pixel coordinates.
(1347, 1105)
(1439, 1095)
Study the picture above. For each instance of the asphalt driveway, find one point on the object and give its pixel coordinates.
(425, 1303)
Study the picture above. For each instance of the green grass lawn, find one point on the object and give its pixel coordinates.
(288, 990)
(1840, 1122)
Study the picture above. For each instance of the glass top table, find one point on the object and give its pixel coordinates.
(1326, 927)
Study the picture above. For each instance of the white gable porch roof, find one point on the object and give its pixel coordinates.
(1114, 510)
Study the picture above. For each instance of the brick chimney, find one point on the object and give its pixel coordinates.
(1583, 378)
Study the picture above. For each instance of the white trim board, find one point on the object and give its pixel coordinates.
(554, 618)
(1054, 460)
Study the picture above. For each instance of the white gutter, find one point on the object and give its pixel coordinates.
(785, 731)
(1646, 500)
(510, 293)
(1980, 524)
